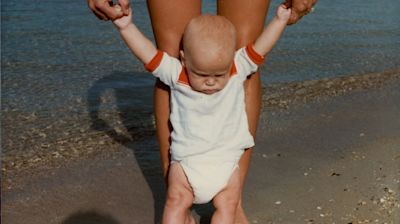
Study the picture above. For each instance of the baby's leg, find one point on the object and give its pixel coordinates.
(226, 201)
(179, 197)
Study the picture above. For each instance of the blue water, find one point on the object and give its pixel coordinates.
(339, 38)
(53, 52)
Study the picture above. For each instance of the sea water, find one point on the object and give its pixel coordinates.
(57, 53)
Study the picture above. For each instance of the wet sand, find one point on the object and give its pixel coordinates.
(327, 151)
(335, 160)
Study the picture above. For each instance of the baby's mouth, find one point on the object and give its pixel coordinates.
(210, 91)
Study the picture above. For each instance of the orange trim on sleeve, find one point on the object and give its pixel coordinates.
(155, 62)
(183, 77)
(233, 70)
(253, 55)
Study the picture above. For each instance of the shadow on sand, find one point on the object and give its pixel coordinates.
(90, 217)
(125, 101)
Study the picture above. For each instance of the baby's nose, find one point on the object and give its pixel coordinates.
(210, 82)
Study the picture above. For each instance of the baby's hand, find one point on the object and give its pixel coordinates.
(283, 13)
(124, 21)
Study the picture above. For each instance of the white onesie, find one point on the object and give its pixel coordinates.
(210, 132)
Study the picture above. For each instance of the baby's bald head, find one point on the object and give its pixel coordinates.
(209, 38)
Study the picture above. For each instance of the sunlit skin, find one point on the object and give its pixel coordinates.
(168, 33)
(206, 74)
(208, 53)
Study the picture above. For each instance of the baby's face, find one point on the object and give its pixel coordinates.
(209, 79)
(208, 71)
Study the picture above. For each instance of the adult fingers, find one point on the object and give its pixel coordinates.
(288, 3)
(124, 6)
(296, 7)
(300, 8)
(112, 12)
(100, 15)
(97, 13)
(108, 9)
(294, 17)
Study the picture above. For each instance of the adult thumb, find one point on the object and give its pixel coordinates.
(124, 6)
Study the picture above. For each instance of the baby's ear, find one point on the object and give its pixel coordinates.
(182, 56)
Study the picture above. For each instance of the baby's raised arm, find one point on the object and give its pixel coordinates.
(140, 45)
(271, 34)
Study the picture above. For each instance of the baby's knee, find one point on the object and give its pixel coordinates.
(179, 199)
(226, 202)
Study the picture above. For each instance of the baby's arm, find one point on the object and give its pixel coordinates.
(140, 45)
(271, 34)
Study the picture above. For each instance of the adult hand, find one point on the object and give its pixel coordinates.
(106, 10)
(300, 8)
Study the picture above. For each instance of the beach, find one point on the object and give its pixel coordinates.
(331, 155)
(78, 142)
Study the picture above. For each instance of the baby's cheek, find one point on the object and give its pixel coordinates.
(196, 86)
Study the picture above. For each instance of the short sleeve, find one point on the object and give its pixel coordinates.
(247, 60)
(165, 67)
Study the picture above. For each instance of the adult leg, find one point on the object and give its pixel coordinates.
(248, 16)
(226, 201)
(179, 197)
(168, 19)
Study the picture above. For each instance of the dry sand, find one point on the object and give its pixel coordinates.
(331, 158)
(332, 161)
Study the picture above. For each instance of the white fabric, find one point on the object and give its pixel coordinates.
(207, 179)
(207, 127)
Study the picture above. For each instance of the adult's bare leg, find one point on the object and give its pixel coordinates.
(168, 19)
(248, 16)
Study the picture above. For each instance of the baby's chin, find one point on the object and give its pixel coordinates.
(210, 91)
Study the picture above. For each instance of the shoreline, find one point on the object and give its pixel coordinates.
(82, 141)
(281, 96)
(323, 160)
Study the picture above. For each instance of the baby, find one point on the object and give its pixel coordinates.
(210, 130)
